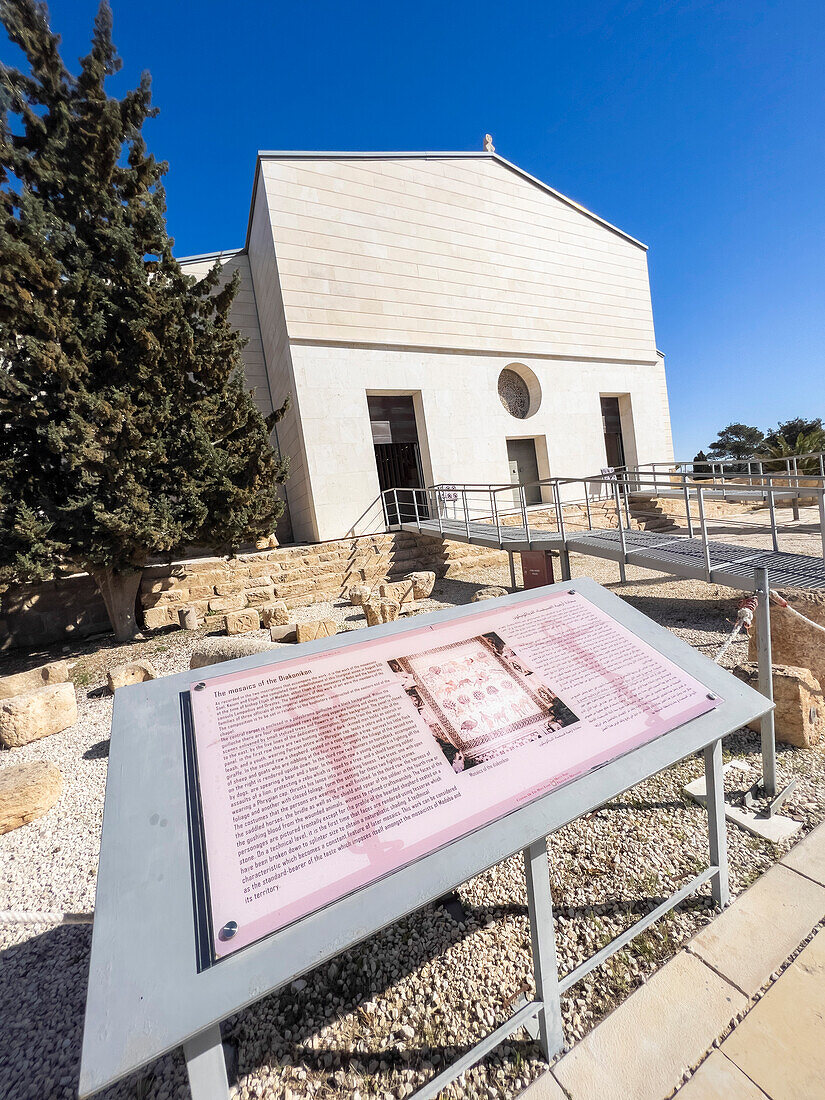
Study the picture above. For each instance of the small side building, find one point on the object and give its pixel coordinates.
(439, 318)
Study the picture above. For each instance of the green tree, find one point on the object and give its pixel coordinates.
(701, 467)
(126, 430)
(791, 430)
(736, 442)
(804, 444)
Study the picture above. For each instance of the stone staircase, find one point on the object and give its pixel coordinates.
(648, 514)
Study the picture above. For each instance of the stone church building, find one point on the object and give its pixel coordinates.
(439, 318)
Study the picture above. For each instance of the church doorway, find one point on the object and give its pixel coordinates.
(397, 455)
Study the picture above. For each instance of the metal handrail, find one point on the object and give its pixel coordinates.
(490, 511)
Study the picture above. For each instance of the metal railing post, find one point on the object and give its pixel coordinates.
(397, 509)
(795, 499)
(415, 506)
(822, 465)
(384, 509)
(495, 516)
(438, 510)
(686, 491)
(700, 493)
(822, 519)
(560, 511)
(627, 503)
(622, 543)
(524, 513)
(772, 507)
(587, 505)
(763, 645)
(466, 513)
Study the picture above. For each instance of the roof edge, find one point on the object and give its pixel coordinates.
(211, 255)
(300, 154)
(569, 202)
(378, 154)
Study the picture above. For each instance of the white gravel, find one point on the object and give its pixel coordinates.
(385, 1016)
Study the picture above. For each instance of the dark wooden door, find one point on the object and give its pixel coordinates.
(399, 468)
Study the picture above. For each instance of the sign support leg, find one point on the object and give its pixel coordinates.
(763, 643)
(564, 563)
(512, 570)
(543, 941)
(206, 1066)
(715, 787)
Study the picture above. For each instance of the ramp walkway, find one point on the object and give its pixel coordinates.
(499, 517)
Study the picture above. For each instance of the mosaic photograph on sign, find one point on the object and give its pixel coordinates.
(479, 700)
(325, 772)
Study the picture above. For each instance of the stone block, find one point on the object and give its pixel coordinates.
(492, 592)
(228, 603)
(780, 1045)
(400, 591)
(716, 1079)
(285, 632)
(285, 589)
(209, 576)
(155, 618)
(799, 717)
(752, 938)
(201, 591)
(381, 611)
(808, 856)
(27, 791)
(189, 618)
(230, 588)
(359, 594)
(213, 651)
(35, 714)
(165, 599)
(257, 597)
(56, 672)
(274, 614)
(794, 640)
(163, 584)
(423, 582)
(131, 672)
(317, 628)
(243, 622)
(631, 1055)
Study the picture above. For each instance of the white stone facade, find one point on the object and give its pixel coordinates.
(427, 275)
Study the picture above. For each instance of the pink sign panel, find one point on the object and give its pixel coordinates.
(320, 774)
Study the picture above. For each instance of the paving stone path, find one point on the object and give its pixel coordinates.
(739, 1012)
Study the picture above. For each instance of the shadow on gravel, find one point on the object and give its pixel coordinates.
(98, 751)
(42, 1004)
(705, 615)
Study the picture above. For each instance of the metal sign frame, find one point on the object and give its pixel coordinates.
(146, 995)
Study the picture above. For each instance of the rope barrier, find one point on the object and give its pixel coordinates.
(49, 916)
(780, 602)
(744, 620)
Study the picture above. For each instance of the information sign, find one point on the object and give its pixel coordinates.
(321, 774)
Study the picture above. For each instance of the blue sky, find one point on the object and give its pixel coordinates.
(695, 125)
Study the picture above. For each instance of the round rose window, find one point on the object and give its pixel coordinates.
(514, 393)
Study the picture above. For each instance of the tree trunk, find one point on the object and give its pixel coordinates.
(119, 592)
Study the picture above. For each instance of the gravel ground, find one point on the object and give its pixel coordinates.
(386, 1015)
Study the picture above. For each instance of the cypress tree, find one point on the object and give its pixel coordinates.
(126, 430)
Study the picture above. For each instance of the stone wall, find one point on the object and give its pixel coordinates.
(32, 616)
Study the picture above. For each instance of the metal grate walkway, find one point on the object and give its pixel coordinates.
(717, 562)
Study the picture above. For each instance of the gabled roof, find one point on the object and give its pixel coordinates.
(202, 256)
(285, 154)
